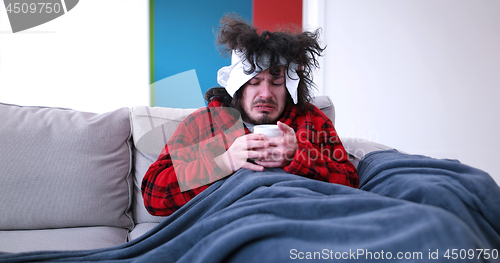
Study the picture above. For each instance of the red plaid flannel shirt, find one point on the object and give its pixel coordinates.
(320, 155)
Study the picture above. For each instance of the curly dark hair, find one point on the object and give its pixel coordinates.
(286, 45)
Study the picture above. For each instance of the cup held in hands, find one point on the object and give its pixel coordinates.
(269, 130)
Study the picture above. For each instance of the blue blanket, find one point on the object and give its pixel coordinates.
(408, 207)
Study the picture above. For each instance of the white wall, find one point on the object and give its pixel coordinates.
(422, 76)
(93, 58)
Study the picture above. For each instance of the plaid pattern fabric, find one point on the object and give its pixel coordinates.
(210, 131)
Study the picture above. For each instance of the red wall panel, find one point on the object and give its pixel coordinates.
(273, 14)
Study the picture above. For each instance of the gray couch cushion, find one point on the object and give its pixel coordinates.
(64, 168)
(141, 229)
(78, 238)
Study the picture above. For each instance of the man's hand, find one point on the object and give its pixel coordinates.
(281, 150)
(250, 146)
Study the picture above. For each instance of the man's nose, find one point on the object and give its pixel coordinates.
(265, 91)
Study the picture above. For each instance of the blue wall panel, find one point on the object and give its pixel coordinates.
(184, 40)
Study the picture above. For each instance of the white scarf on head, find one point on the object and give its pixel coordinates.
(233, 77)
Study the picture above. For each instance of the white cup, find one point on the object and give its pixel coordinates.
(269, 130)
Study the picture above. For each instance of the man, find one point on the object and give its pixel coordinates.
(268, 82)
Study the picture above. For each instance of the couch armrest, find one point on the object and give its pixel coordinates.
(357, 148)
(325, 104)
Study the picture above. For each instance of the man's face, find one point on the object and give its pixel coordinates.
(264, 98)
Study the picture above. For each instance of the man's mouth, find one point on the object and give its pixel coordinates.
(264, 107)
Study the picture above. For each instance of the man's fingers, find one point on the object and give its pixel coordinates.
(254, 136)
(254, 141)
(257, 144)
(254, 167)
(285, 128)
(257, 154)
(274, 141)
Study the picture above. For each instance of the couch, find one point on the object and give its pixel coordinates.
(70, 180)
